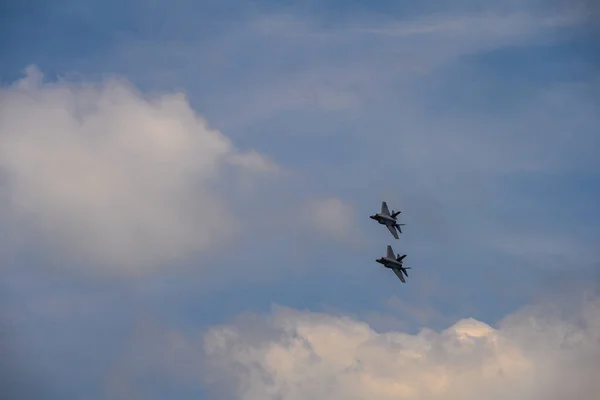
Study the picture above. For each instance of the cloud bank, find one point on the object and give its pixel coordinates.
(104, 175)
(536, 353)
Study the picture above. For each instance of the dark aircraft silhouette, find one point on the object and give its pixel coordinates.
(387, 219)
(394, 263)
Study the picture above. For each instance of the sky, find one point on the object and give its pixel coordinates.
(186, 188)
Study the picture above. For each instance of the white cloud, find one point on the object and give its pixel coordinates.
(533, 354)
(102, 174)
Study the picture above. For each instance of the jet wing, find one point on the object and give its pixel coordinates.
(390, 253)
(384, 209)
(399, 274)
(393, 230)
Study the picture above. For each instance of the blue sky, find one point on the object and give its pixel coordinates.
(478, 120)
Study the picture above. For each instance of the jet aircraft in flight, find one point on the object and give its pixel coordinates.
(394, 263)
(388, 219)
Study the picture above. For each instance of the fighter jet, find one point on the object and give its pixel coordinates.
(387, 219)
(394, 263)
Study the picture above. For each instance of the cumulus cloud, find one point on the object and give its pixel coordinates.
(536, 353)
(103, 174)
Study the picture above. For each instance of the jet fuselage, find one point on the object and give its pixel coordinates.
(388, 263)
(393, 264)
(383, 219)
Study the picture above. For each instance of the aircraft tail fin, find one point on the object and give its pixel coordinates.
(395, 213)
